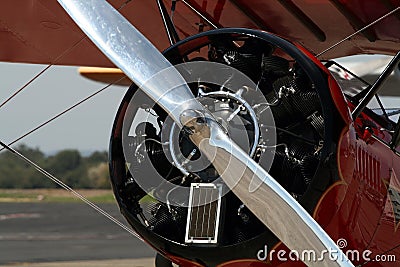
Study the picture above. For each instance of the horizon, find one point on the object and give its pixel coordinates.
(86, 128)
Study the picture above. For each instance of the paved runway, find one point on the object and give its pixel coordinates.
(53, 232)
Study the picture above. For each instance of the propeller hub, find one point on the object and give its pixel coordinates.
(193, 120)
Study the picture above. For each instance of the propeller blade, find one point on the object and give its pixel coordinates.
(260, 192)
(129, 50)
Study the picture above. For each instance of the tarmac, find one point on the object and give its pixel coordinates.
(67, 235)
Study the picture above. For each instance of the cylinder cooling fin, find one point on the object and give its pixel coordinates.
(171, 194)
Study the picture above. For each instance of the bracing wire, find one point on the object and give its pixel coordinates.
(360, 30)
(66, 187)
(54, 62)
(40, 169)
(63, 112)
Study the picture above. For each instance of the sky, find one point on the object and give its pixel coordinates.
(86, 128)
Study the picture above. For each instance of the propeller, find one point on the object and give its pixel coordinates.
(129, 50)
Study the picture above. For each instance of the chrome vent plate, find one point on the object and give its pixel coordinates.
(204, 213)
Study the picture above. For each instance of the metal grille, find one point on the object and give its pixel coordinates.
(204, 213)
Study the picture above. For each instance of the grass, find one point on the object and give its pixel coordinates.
(55, 195)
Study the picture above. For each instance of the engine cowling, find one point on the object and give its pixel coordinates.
(284, 120)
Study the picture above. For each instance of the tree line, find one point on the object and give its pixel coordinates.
(68, 165)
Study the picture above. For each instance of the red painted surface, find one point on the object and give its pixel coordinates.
(358, 207)
(336, 92)
(39, 31)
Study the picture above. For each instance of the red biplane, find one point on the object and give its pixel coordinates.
(289, 164)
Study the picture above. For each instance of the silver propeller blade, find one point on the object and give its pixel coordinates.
(265, 197)
(128, 49)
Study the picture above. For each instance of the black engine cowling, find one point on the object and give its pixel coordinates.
(296, 93)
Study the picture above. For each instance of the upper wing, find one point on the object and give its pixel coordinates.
(39, 31)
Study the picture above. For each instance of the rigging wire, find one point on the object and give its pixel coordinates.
(335, 45)
(360, 30)
(43, 171)
(31, 80)
(84, 37)
(42, 71)
(66, 187)
(63, 112)
(199, 14)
